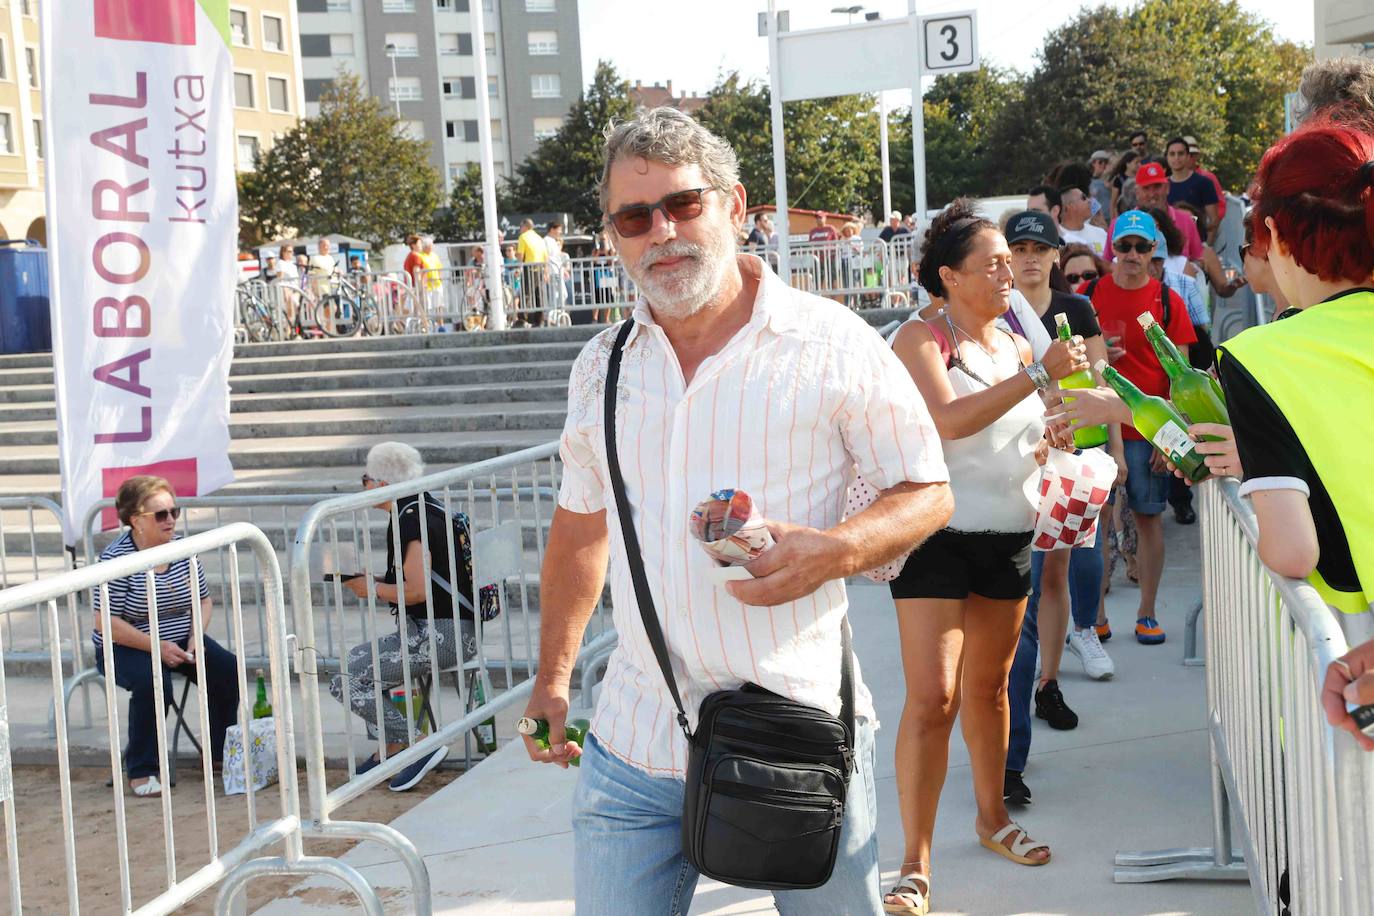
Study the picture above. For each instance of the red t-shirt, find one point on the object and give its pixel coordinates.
(414, 263)
(1140, 365)
(823, 234)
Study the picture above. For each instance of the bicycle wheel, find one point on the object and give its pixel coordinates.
(255, 317)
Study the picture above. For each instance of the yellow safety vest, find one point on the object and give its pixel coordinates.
(1318, 367)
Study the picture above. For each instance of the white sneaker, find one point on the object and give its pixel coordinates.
(1097, 664)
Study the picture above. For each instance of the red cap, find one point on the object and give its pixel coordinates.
(1150, 173)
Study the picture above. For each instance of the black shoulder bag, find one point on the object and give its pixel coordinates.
(766, 776)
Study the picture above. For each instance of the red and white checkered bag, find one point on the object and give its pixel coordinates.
(1073, 490)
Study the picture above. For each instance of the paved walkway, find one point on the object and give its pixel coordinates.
(1133, 776)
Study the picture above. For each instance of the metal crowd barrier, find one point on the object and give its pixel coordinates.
(1301, 794)
(30, 548)
(507, 552)
(138, 874)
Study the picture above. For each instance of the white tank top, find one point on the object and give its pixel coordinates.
(992, 473)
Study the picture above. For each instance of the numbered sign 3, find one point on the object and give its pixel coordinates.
(949, 42)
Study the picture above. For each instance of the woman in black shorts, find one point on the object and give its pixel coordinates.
(961, 595)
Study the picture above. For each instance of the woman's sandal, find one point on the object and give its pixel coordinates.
(1016, 852)
(907, 888)
(150, 789)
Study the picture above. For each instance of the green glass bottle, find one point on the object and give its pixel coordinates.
(486, 730)
(538, 729)
(1158, 421)
(1083, 436)
(261, 708)
(1195, 393)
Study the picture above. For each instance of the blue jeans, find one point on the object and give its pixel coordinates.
(1085, 593)
(134, 672)
(627, 836)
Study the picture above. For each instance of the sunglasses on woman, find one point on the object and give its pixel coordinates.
(678, 207)
(1140, 247)
(1083, 277)
(161, 515)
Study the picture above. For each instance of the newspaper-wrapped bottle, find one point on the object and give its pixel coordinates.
(729, 528)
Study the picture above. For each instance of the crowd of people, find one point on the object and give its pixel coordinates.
(950, 425)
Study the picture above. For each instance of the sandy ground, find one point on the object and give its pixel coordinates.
(43, 877)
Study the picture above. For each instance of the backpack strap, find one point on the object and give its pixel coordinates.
(1164, 299)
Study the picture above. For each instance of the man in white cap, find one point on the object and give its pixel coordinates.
(1100, 191)
(894, 227)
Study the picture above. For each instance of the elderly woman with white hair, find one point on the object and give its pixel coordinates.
(358, 684)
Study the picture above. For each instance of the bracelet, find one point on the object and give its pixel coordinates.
(1038, 376)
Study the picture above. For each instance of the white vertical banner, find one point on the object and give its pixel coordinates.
(142, 230)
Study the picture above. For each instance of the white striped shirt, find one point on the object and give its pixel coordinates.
(803, 394)
(129, 596)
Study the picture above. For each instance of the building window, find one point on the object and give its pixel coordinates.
(544, 128)
(546, 86)
(451, 6)
(243, 91)
(278, 96)
(493, 87)
(540, 6)
(450, 88)
(489, 42)
(38, 138)
(489, 6)
(315, 45)
(402, 44)
(415, 130)
(461, 130)
(4, 58)
(470, 132)
(496, 136)
(6, 133)
(26, 7)
(405, 89)
(398, 6)
(338, 6)
(341, 45)
(315, 88)
(273, 33)
(455, 43)
(460, 87)
(247, 152)
(31, 64)
(238, 27)
(541, 43)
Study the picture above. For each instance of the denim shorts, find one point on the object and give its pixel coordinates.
(1147, 492)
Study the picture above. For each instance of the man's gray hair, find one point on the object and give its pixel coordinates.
(670, 137)
(1340, 86)
(394, 462)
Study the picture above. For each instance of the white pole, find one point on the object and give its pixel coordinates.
(496, 299)
(918, 123)
(395, 96)
(882, 151)
(779, 156)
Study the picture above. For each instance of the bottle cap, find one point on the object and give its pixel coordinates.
(526, 726)
(1100, 365)
(1145, 319)
(1060, 319)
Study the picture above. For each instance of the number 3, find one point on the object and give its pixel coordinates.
(949, 33)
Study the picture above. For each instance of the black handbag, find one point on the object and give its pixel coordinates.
(766, 776)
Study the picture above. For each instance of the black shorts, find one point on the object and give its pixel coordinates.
(955, 564)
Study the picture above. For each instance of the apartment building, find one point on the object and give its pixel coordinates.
(418, 56)
(268, 99)
(21, 124)
(1343, 28)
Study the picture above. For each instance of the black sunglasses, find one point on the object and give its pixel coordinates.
(678, 207)
(1079, 278)
(1140, 247)
(161, 515)
(1245, 250)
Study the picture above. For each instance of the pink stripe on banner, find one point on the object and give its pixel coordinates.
(169, 22)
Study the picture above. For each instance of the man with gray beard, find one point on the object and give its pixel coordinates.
(729, 378)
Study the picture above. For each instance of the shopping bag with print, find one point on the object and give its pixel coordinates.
(1073, 490)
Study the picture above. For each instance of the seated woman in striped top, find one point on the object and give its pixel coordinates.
(147, 505)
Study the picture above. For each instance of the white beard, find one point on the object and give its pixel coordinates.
(692, 285)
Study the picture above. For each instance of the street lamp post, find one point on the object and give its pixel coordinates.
(395, 96)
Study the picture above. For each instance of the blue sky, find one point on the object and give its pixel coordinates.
(691, 42)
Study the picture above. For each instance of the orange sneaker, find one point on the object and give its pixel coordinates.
(1148, 631)
(1104, 630)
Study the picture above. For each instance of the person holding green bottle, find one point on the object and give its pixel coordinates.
(1121, 296)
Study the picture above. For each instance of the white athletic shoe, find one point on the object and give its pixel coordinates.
(1097, 664)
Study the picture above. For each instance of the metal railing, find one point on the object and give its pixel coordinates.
(1301, 793)
(232, 866)
(30, 548)
(507, 544)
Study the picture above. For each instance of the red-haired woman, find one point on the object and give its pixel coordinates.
(1303, 450)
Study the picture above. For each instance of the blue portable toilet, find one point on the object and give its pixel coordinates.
(25, 319)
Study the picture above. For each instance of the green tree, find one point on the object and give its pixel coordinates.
(1202, 67)
(347, 170)
(462, 219)
(563, 172)
(831, 144)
